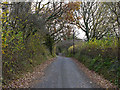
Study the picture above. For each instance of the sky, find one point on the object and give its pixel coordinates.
(80, 33)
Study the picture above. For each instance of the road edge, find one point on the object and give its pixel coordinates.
(96, 78)
(28, 79)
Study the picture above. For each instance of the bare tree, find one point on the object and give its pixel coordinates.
(95, 17)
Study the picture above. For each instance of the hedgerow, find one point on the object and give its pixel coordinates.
(100, 56)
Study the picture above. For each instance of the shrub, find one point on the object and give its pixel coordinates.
(100, 56)
(21, 58)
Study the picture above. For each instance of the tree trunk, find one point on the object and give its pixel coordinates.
(118, 42)
(73, 42)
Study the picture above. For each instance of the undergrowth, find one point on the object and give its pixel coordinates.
(100, 56)
(18, 62)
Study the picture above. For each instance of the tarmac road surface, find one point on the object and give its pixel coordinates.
(64, 73)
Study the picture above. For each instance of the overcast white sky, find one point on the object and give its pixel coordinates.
(81, 33)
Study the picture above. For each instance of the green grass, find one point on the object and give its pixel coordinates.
(100, 65)
(100, 56)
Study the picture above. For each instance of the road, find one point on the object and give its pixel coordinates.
(64, 73)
